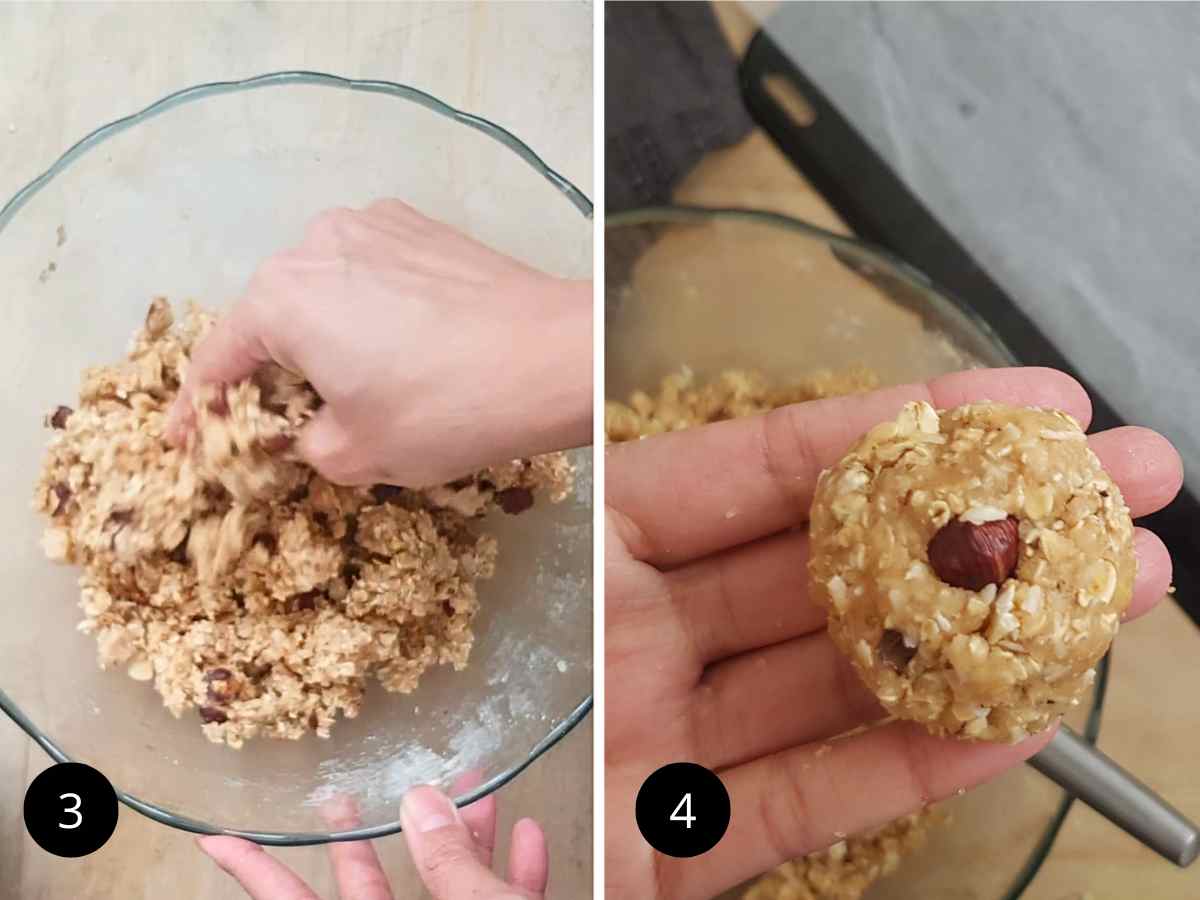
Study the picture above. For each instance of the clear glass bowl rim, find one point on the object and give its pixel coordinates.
(698, 215)
(275, 79)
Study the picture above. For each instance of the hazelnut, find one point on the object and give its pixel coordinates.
(303, 601)
(515, 501)
(894, 652)
(58, 419)
(210, 714)
(973, 556)
(386, 493)
(62, 496)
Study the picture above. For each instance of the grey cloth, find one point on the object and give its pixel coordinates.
(671, 96)
(1060, 143)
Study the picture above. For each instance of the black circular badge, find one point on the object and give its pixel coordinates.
(70, 810)
(682, 810)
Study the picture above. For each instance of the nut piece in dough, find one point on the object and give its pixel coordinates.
(975, 564)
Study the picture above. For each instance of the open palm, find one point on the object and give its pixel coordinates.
(716, 655)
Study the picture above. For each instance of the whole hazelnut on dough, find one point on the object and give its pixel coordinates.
(973, 556)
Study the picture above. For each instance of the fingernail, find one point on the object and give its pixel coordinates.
(425, 809)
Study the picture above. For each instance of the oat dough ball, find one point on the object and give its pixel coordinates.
(975, 564)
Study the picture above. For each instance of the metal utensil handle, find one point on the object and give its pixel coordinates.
(1082, 770)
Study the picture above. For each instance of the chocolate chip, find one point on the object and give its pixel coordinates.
(321, 521)
(210, 714)
(448, 608)
(485, 485)
(298, 493)
(62, 494)
(350, 573)
(894, 653)
(515, 501)
(386, 493)
(278, 443)
(218, 674)
(313, 721)
(258, 670)
(120, 517)
(58, 418)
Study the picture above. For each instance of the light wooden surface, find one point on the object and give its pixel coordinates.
(65, 69)
(1151, 719)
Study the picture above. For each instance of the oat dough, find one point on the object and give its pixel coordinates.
(975, 564)
(684, 401)
(847, 869)
(241, 583)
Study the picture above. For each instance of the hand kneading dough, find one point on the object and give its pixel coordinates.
(233, 576)
(1003, 658)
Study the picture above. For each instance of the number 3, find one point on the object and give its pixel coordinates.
(74, 810)
(686, 805)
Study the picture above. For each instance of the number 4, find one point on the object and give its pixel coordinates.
(686, 805)
(73, 810)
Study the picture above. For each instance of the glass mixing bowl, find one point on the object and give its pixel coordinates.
(184, 199)
(713, 289)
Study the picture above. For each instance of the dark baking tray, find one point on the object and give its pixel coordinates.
(879, 207)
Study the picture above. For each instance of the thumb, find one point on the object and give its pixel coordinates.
(229, 353)
(444, 852)
(329, 447)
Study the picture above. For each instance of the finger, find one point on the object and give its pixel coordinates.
(261, 876)
(326, 445)
(1153, 574)
(757, 594)
(751, 596)
(480, 816)
(793, 803)
(528, 858)
(747, 706)
(685, 495)
(442, 848)
(229, 353)
(356, 866)
(759, 702)
(1143, 463)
